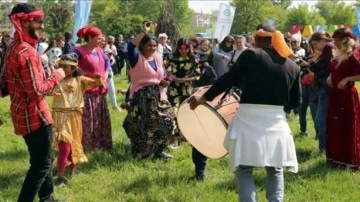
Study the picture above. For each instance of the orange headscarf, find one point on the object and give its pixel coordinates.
(277, 41)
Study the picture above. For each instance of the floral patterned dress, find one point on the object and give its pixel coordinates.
(177, 92)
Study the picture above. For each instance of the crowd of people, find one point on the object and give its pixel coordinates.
(274, 73)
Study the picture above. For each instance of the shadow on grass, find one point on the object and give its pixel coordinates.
(120, 154)
(10, 180)
(303, 155)
(13, 155)
(316, 171)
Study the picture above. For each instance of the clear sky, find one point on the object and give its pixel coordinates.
(206, 6)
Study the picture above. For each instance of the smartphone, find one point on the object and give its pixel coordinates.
(148, 24)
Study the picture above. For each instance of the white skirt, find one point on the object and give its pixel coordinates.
(260, 136)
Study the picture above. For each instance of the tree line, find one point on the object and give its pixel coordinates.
(175, 17)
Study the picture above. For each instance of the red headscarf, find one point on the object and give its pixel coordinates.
(88, 31)
(15, 19)
(344, 36)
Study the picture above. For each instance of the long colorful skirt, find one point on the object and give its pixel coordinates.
(151, 122)
(96, 123)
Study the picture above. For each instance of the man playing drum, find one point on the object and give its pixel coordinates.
(259, 135)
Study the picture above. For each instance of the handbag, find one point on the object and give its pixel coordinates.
(307, 79)
(4, 89)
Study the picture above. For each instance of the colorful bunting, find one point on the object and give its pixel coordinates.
(295, 29)
(308, 31)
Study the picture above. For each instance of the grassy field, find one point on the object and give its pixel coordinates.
(115, 177)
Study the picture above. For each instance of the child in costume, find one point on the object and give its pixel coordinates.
(67, 112)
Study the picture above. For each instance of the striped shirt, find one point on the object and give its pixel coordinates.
(28, 86)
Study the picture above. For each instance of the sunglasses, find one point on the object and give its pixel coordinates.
(40, 21)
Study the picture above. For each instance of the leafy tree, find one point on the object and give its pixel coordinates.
(183, 16)
(298, 16)
(249, 14)
(166, 24)
(336, 12)
(282, 3)
(150, 10)
(5, 9)
(277, 13)
(58, 15)
(107, 15)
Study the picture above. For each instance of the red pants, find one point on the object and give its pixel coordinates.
(64, 156)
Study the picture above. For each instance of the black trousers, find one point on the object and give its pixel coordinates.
(199, 161)
(120, 62)
(39, 176)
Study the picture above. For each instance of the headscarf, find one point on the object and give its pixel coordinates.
(88, 31)
(343, 36)
(17, 17)
(277, 41)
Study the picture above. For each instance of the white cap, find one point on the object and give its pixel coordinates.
(296, 37)
(163, 35)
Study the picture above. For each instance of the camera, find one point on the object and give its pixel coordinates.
(148, 23)
(297, 60)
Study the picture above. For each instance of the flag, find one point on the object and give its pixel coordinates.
(319, 28)
(224, 21)
(271, 21)
(82, 13)
(308, 31)
(295, 29)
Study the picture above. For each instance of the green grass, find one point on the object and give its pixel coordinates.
(115, 176)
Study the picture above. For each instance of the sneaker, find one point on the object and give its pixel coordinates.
(73, 173)
(197, 178)
(163, 155)
(60, 182)
(117, 108)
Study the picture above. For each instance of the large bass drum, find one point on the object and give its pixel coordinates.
(205, 127)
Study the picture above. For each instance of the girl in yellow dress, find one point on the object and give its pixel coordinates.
(67, 111)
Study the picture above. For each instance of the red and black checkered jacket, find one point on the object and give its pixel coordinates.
(28, 86)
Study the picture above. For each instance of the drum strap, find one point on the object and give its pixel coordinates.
(225, 94)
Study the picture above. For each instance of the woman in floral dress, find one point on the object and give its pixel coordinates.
(185, 69)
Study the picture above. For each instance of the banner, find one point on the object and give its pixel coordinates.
(358, 15)
(224, 21)
(82, 13)
(271, 21)
(356, 30)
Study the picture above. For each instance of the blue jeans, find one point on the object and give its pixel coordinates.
(246, 186)
(322, 96)
(308, 99)
(39, 176)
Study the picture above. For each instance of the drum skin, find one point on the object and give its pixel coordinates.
(205, 127)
